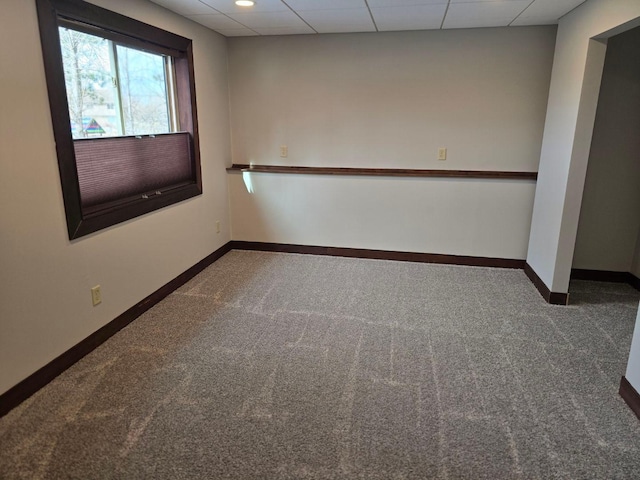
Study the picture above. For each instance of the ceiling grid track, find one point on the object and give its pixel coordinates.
(298, 15)
(444, 17)
(518, 16)
(366, 2)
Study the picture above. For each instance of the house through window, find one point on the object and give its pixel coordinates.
(115, 90)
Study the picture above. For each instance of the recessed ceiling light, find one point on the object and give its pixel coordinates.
(245, 3)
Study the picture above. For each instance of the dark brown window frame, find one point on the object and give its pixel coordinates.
(51, 14)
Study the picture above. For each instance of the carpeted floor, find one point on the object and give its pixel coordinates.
(294, 366)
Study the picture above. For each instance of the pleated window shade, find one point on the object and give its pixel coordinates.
(121, 168)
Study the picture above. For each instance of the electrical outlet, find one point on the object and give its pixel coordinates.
(217, 227)
(442, 153)
(96, 295)
(284, 151)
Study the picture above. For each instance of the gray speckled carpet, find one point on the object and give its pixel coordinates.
(293, 366)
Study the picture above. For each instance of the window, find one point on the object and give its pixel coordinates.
(122, 100)
(114, 90)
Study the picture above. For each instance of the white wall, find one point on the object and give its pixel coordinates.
(486, 218)
(45, 280)
(610, 215)
(575, 82)
(633, 367)
(389, 100)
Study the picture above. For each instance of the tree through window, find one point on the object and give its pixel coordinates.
(115, 90)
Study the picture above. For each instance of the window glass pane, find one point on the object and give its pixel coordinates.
(91, 93)
(143, 92)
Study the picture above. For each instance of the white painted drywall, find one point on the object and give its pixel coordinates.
(389, 100)
(487, 218)
(633, 367)
(577, 69)
(45, 280)
(610, 215)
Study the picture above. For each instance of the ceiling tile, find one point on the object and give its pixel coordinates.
(551, 8)
(489, 1)
(186, 7)
(304, 29)
(417, 17)
(483, 14)
(477, 22)
(404, 3)
(339, 20)
(229, 6)
(299, 5)
(267, 19)
(283, 17)
(524, 20)
(346, 28)
(238, 32)
(215, 22)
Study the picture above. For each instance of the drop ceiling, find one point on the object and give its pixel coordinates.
(290, 17)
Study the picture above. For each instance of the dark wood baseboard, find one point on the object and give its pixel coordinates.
(385, 172)
(599, 275)
(606, 276)
(554, 298)
(23, 390)
(630, 395)
(380, 254)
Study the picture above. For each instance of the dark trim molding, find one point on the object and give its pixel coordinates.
(554, 298)
(606, 276)
(379, 254)
(384, 172)
(23, 390)
(599, 275)
(630, 395)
